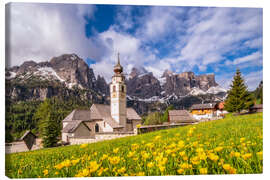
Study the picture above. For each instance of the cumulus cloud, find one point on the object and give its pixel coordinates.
(41, 31)
(251, 57)
(157, 38)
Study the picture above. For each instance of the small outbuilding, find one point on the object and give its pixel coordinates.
(29, 139)
(180, 116)
(256, 108)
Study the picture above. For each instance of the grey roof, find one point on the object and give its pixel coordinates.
(257, 106)
(26, 133)
(180, 116)
(72, 126)
(132, 114)
(103, 112)
(203, 106)
(78, 115)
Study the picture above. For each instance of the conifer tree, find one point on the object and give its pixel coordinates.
(238, 96)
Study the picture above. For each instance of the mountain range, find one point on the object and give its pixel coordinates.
(69, 76)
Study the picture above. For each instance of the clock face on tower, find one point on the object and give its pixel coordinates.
(113, 95)
(122, 95)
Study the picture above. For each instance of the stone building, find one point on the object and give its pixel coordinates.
(99, 119)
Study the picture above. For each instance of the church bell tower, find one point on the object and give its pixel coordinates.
(118, 95)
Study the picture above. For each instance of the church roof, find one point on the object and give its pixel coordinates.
(102, 111)
(132, 114)
(78, 115)
(72, 126)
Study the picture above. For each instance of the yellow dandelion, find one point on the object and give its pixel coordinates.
(182, 153)
(242, 139)
(93, 166)
(213, 157)
(181, 144)
(130, 154)
(150, 165)
(226, 167)
(218, 149)
(56, 173)
(134, 147)
(140, 174)
(157, 138)
(203, 170)
(45, 172)
(83, 145)
(246, 156)
(105, 156)
(121, 170)
(161, 168)
(75, 161)
(232, 170)
(180, 171)
(260, 155)
(115, 150)
(114, 160)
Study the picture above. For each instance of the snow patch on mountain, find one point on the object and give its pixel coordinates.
(162, 80)
(215, 90)
(11, 75)
(196, 91)
(48, 71)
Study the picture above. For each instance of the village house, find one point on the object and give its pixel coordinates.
(180, 116)
(103, 121)
(204, 111)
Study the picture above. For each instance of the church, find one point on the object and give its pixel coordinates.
(111, 119)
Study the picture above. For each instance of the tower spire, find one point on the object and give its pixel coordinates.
(118, 58)
(118, 69)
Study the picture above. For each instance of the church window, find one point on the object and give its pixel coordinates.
(104, 124)
(123, 88)
(114, 89)
(96, 128)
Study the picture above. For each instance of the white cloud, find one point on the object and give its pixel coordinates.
(219, 31)
(251, 57)
(253, 79)
(40, 31)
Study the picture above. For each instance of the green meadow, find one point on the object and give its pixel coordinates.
(233, 145)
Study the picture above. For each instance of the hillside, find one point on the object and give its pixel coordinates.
(228, 146)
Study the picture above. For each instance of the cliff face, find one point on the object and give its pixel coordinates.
(142, 85)
(64, 76)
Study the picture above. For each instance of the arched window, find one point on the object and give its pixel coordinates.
(114, 89)
(96, 128)
(123, 88)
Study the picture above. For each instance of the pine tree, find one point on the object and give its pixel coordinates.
(166, 113)
(49, 126)
(238, 96)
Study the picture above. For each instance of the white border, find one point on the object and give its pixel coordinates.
(212, 3)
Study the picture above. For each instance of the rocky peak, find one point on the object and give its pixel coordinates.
(136, 71)
(143, 84)
(167, 72)
(74, 70)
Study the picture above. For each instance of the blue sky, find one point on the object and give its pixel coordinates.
(198, 39)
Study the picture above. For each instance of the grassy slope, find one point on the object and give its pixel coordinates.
(161, 148)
